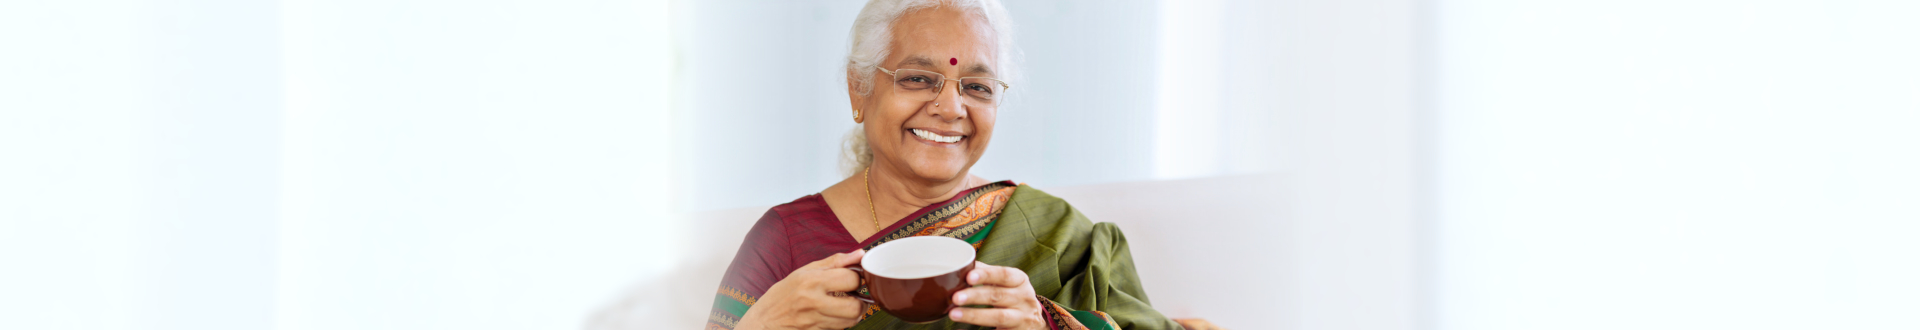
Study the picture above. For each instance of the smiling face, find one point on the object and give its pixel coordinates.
(933, 140)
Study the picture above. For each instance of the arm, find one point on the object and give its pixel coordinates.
(1106, 287)
(763, 290)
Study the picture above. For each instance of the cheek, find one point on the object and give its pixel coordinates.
(901, 107)
(983, 134)
(887, 109)
(979, 147)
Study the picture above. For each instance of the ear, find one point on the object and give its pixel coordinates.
(854, 100)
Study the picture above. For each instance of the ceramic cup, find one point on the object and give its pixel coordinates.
(914, 278)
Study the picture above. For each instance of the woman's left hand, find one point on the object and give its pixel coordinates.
(1006, 290)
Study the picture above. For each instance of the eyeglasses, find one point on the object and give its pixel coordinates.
(927, 85)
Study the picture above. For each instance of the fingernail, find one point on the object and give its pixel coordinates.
(959, 298)
(973, 278)
(955, 314)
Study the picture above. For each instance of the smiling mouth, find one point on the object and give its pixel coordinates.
(931, 136)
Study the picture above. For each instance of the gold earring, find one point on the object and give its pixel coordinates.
(856, 114)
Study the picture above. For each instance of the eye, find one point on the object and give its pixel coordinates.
(916, 82)
(980, 88)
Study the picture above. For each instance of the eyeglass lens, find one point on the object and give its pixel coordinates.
(930, 84)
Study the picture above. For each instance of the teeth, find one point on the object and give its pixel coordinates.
(935, 137)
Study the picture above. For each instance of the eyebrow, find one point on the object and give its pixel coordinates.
(921, 61)
(924, 62)
(978, 68)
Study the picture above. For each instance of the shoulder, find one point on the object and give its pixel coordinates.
(774, 223)
(1025, 193)
(809, 205)
(1039, 205)
(767, 253)
(1051, 219)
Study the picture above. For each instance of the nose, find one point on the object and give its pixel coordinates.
(947, 106)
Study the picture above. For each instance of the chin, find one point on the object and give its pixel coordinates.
(940, 171)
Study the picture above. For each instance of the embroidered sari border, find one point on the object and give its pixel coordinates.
(939, 215)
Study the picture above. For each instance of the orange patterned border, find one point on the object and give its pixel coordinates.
(947, 216)
(737, 295)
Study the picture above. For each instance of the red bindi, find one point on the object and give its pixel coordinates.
(953, 61)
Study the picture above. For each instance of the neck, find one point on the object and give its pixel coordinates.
(897, 194)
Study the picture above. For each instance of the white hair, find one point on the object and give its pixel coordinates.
(872, 36)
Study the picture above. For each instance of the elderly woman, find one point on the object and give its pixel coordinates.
(926, 79)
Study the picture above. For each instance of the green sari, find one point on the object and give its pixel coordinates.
(1080, 270)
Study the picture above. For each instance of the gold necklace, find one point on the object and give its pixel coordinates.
(866, 178)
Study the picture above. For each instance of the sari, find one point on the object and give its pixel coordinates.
(1081, 271)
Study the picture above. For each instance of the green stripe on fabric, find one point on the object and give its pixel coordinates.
(1091, 320)
(975, 239)
(725, 303)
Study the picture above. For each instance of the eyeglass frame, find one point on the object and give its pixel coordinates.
(1004, 86)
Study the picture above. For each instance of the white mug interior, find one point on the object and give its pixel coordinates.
(918, 257)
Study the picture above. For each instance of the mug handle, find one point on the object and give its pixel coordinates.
(860, 293)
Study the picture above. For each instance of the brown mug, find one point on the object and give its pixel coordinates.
(915, 278)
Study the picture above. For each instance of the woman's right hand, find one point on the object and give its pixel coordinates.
(812, 297)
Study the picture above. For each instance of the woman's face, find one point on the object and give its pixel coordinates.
(945, 41)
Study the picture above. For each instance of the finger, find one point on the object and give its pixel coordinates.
(984, 274)
(849, 258)
(840, 323)
(837, 260)
(997, 297)
(823, 263)
(839, 280)
(842, 307)
(838, 319)
(989, 317)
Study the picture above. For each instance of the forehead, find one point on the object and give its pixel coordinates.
(941, 33)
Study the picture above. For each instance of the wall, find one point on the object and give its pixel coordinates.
(1085, 114)
(138, 158)
(1677, 165)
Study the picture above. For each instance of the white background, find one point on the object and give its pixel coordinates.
(228, 164)
(1677, 165)
(514, 165)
